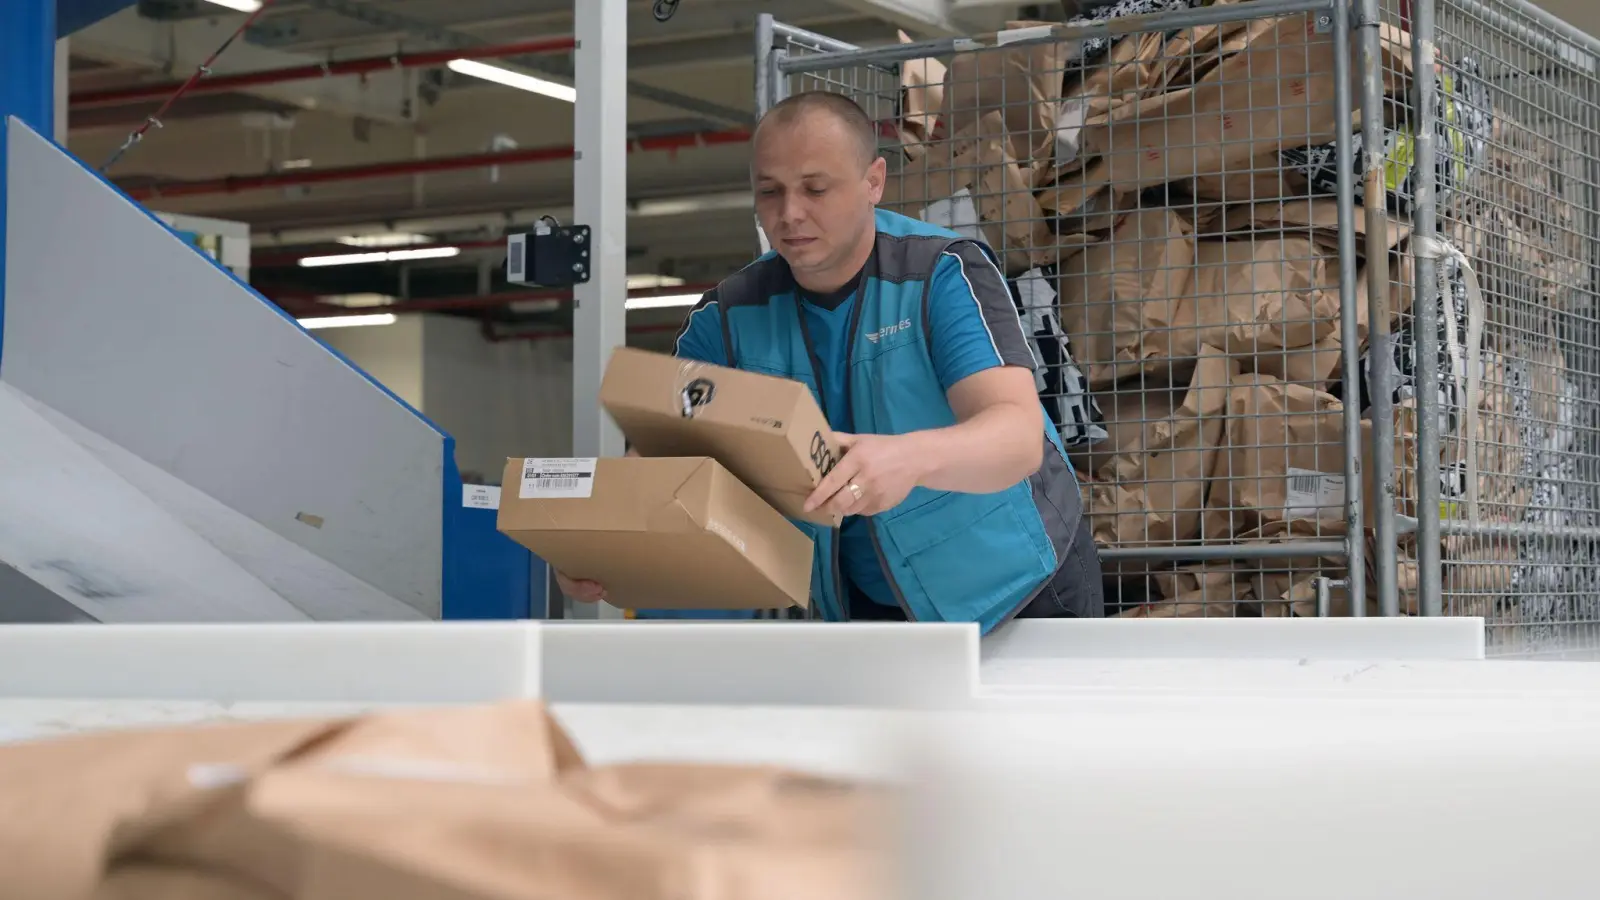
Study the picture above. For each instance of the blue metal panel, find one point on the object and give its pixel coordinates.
(486, 574)
(27, 90)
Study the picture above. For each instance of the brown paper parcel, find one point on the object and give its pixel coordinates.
(1290, 589)
(1198, 592)
(974, 186)
(921, 97)
(1151, 474)
(1282, 459)
(476, 803)
(1278, 93)
(1121, 300)
(1020, 84)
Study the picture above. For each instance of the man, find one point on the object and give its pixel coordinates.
(959, 503)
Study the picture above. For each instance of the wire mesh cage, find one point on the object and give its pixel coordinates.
(1308, 293)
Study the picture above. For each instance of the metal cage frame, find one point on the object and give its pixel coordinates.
(1372, 530)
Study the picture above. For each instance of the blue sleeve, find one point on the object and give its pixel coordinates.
(972, 319)
(700, 338)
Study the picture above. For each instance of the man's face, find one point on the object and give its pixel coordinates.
(814, 192)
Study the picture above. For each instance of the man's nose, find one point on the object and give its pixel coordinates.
(793, 209)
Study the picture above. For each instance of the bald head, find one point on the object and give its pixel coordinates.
(834, 112)
(817, 176)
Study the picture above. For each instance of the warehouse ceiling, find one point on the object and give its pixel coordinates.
(310, 162)
(385, 144)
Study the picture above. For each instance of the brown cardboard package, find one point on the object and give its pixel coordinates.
(1290, 589)
(1198, 592)
(1022, 85)
(973, 185)
(1282, 460)
(921, 97)
(1122, 301)
(1279, 92)
(768, 431)
(1316, 218)
(1263, 294)
(472, 803)
(1150, 476)
(659, 533)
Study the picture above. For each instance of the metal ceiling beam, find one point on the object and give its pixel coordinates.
(925, 18)
(559, 70)
(233, 184)
(241, 81)
(180, 47)
(692, 202)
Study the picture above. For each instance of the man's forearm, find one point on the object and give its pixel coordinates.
(989, 452)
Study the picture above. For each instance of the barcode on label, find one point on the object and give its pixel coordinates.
(1313, 495)
(1305, 484)
(548, 479)
(551, 482)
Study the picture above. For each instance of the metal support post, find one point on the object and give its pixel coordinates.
(599, 195)
(62, 89)
(1381, 343)
(1355, 544)
(27, 87)
(1425, 239)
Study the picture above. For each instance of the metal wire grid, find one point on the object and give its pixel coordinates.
(1520, 220)
(1205, 236)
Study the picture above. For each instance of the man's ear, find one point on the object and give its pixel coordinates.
(877, 175)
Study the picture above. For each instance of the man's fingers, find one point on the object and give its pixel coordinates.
(833, 483)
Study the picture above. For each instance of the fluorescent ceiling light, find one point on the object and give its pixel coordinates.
(667, 302)
(384, 239)
(245, 6)
(516, 80)
(348, 321)
(651, 282)
(350, 259)
(353, 301)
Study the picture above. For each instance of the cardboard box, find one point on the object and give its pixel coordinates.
(665, 533)
(768, 431)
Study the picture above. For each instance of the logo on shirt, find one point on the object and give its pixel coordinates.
(696, 394)
(887, 330)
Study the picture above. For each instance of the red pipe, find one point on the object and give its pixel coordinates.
(295, 306)
(365, 65)
(233, 184)
(494, 338)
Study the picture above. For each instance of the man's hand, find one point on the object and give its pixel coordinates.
(875, 475)
(581, 590)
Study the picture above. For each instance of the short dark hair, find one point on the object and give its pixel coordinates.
(845, 111)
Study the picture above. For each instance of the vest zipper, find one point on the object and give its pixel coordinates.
(839, 595)
(850, 416)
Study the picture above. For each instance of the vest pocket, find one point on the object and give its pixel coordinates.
(964, 554)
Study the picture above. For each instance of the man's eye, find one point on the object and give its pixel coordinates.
(767, 192)
(816, 192)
